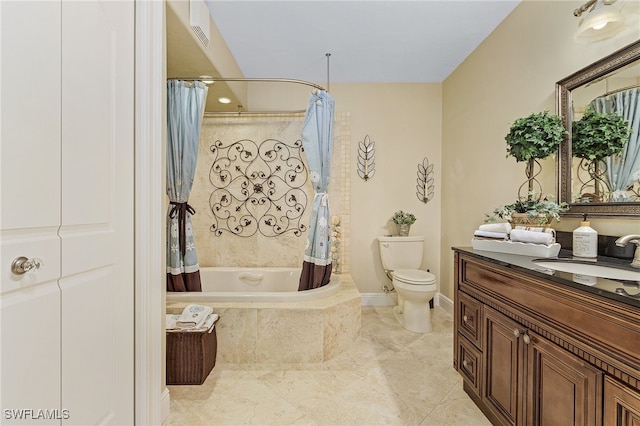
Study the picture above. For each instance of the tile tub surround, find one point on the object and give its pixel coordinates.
(390, 376)
(302, 332)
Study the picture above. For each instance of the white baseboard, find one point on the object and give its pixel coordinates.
(391, 299)
(165, 404)
(444, 302)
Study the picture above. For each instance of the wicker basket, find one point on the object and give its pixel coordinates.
(191, 356)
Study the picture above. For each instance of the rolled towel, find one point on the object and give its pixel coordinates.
(494, 235)
(524, 236)
(193, 316)
(496, 227)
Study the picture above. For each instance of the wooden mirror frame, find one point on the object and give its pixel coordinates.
(598, 69)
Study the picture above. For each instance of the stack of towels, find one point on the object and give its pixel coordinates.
(192, 318)
(523, 234)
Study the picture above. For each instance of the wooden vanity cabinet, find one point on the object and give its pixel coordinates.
(532, 353)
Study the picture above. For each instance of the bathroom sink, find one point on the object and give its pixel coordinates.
(593, 269)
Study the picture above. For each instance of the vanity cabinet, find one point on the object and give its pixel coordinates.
(534, 352)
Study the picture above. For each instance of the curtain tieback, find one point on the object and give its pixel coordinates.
(180, 210)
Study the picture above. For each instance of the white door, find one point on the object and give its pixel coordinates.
(30, 202)
(97, 211)
(78, 197)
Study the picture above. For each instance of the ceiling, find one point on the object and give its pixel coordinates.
(369, 41)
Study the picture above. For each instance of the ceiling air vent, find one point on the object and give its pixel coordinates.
(199, 20)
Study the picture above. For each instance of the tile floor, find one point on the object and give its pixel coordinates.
(391, 376)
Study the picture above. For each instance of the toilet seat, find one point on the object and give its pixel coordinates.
(414, 276)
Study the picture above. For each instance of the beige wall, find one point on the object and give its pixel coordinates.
(512, 74)
(460, 126)
(404, 121)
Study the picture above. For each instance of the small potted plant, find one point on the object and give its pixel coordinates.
(403, 221)
(534, 137)
(535, 211)
(595, 137)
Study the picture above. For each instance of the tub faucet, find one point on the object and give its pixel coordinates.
(623, 241)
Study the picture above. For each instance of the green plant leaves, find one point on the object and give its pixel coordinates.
(537, 136)
(596, 136)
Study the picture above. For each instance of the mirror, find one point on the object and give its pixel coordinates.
(616, 73)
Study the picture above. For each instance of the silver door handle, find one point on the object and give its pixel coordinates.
(21, 265)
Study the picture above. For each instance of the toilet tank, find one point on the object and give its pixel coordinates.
(401, 252)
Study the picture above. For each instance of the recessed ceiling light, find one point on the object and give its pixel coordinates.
(224, 100)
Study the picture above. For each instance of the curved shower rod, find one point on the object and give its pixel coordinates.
(257, 80)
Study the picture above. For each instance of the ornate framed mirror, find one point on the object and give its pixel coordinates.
(607, 78)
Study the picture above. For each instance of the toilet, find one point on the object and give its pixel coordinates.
(401, 257)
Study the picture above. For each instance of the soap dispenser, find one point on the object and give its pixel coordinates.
(585, 240)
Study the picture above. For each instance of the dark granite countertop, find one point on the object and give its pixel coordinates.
(595, 285)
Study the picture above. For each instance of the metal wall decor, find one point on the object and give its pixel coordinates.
(425, 179)
(258, 188)
(366, 159)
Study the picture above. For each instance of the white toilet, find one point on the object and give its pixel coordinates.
(401, 257)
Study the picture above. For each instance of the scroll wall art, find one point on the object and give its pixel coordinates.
(258, 187)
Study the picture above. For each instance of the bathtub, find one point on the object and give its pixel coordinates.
(264, 318)
(232, 284)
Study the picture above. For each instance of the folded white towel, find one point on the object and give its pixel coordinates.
(525, 236)
(194, 316)
(207, 325)
(496, 227)
(171, 322)
(210, 322)
(487, 234)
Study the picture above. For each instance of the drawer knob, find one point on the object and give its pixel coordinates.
(516, 332)
(526, 339)
(465, 318)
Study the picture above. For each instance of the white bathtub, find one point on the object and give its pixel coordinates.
(233, 284)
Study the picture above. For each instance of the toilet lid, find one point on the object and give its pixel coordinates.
(415, 276)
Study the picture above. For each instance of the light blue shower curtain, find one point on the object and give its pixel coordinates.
(185, 108)
(623, 167)
(317, 141)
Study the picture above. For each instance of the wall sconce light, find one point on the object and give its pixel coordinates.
(602, 21)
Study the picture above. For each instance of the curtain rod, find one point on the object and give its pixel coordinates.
(635, 86)
(253, 80)
(299, 111)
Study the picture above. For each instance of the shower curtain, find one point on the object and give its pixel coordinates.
(623, 167)
(317, 141)
(185, 108)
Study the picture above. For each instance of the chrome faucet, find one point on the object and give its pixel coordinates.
(623, 241)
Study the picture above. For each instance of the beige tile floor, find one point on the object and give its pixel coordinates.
(391, 376)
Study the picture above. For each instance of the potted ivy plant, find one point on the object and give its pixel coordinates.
(595, 137)
(533, 138)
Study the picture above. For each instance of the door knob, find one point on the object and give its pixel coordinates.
(22, 265)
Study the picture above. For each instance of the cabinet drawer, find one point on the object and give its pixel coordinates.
(469, 363)
(469, 314)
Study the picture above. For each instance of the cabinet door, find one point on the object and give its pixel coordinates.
(97, 212)
(503, 360)
(621, 404)
(30, 209)
(563, 389)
